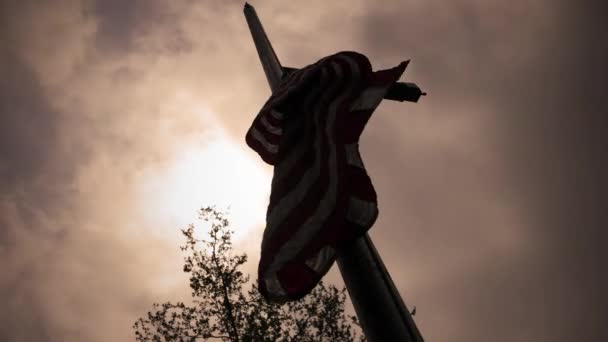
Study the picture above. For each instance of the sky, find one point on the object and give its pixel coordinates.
(119, 119)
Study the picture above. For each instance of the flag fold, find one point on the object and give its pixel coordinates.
(321, 196)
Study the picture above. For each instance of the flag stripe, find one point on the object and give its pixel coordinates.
(352, 155)
(360, 185)
(297, 187)
(361, 212)
(297, 156)
(321, 194)
(270, 127)
(320, 260)
(299, 204)
(369, 99)
(265, 142)
(292, 246)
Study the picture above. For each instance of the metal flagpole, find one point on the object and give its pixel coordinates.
(379, 306)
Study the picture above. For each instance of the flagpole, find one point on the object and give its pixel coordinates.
(377, 302)
(379, 306)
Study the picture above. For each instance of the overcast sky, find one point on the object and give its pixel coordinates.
(119, 118)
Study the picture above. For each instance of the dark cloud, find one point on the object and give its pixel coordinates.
(124, 27)
(119, 22)
(57, 268)
(32, 176)
(525, 74)
(490, 188)
(29, 143)
(29, 126)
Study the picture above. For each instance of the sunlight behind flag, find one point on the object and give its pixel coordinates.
(218, 173)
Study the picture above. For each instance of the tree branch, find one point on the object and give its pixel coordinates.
(227, 303)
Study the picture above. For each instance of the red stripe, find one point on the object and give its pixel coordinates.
(287, 86)
(296, 278)
(300, 169)
(304, 209)
(351, 131)
(330, 232)
(299, 127)
(304, 136)
(286, 93)
(313, 133)
(261, 150)
(333, 232)
(282, 188)
(316, 132)
(294, 81)
(265, 111)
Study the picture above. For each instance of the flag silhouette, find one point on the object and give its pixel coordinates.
(321, 195)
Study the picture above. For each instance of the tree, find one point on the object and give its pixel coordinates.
(221, 310)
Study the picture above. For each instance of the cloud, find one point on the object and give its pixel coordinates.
(70, 151)
(489, 188)
(505, 207)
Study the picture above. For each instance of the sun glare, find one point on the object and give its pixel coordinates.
(218, 173)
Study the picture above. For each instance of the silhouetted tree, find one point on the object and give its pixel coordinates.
(221, 310)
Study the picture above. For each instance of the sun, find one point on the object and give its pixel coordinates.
(219, 172)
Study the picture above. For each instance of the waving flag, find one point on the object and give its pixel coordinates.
(321, 195)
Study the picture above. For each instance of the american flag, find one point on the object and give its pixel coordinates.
(321, 195)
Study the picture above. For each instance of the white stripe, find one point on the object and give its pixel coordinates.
(352, 155)
(276, 114)
(256, 135)
(370, 98)
(312, 225)
(286, 165)
(361, 212)
(278, 214)
(269, 127)
(274, 286)
(320, 261)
